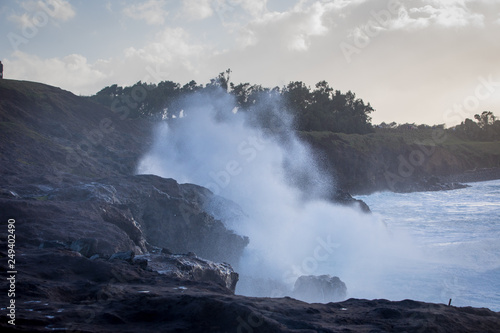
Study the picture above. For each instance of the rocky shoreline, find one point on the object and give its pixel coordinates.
(446, 183)
(476, 175)
(60, 290)
(98, 249)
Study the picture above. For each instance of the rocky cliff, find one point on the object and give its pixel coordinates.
(122, 213)
(61, 291)
(98, 248)
(405, 161)
(67, 171)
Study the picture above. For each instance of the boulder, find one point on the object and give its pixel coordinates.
(171, 215)
(262, 287)
(345, 198)
(123, 213)
(125, 256)
(87, 247)
(190, 267)
(52, 244)
(425, 184)
(319, 289)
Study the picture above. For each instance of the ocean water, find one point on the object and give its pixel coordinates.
(425, 246)
(458, 235)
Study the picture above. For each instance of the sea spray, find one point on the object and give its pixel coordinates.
(255, 159)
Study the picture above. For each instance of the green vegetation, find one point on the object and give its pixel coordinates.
(336, 125)
(53, 123)
(320, 109)
(487, 128)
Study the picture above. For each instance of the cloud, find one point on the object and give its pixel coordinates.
(425, 48)
(58, 9)
(170, 55)
(235, 14)
(152, 12)
(171, 47)
(293, 29)
(109, 6)
(424, 58)
(23, 21)
(448, 14)
(72, 72)
(38, 12)
(197, 9)
(256, 8)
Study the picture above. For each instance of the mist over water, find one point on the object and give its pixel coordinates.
(458, 231)
(255, 159)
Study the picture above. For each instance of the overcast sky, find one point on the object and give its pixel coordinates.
(422, 61)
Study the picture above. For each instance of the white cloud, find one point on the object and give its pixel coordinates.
(58, 9)
(169, 44)
(415, 53)
(256, 8)
(197, 9)
(409, 55)
(404, 21)
(292, 29)
(238, 11)
(448, 14)
(152, 12)
(170, 55)
(71, 72)
(38, 13)
(23, 20)
(109, 6)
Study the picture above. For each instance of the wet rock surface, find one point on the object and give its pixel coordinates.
(323, 289)
(123, 213)
(426, 184)
(190, 267)
(61, 290)
(346, 199)
(66, 177)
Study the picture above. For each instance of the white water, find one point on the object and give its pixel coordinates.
(407, 249)
(459, 234)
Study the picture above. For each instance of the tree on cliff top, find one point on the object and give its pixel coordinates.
(321, 109)
(487, 128)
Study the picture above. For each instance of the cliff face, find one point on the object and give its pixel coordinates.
(122, 213)
(94, 242)
(402, 162)
(62, 292)
(48, 133)
(67, 170)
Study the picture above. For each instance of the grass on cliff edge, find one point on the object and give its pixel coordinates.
(395, 140)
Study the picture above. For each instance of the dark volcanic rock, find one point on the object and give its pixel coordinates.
(53, 136)
(66, 168)
(87, 247)
(346, 199)
(323, 289)
(425, 184)
(45, 223)
(124, 213)
(62, 291)
(125, 256)
(189, 267)
(382, 161)
(474, 175)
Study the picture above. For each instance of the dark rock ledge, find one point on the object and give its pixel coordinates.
(92, 257)
(123, 213)
(60, 290)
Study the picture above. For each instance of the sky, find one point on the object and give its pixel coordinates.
(415, 61)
